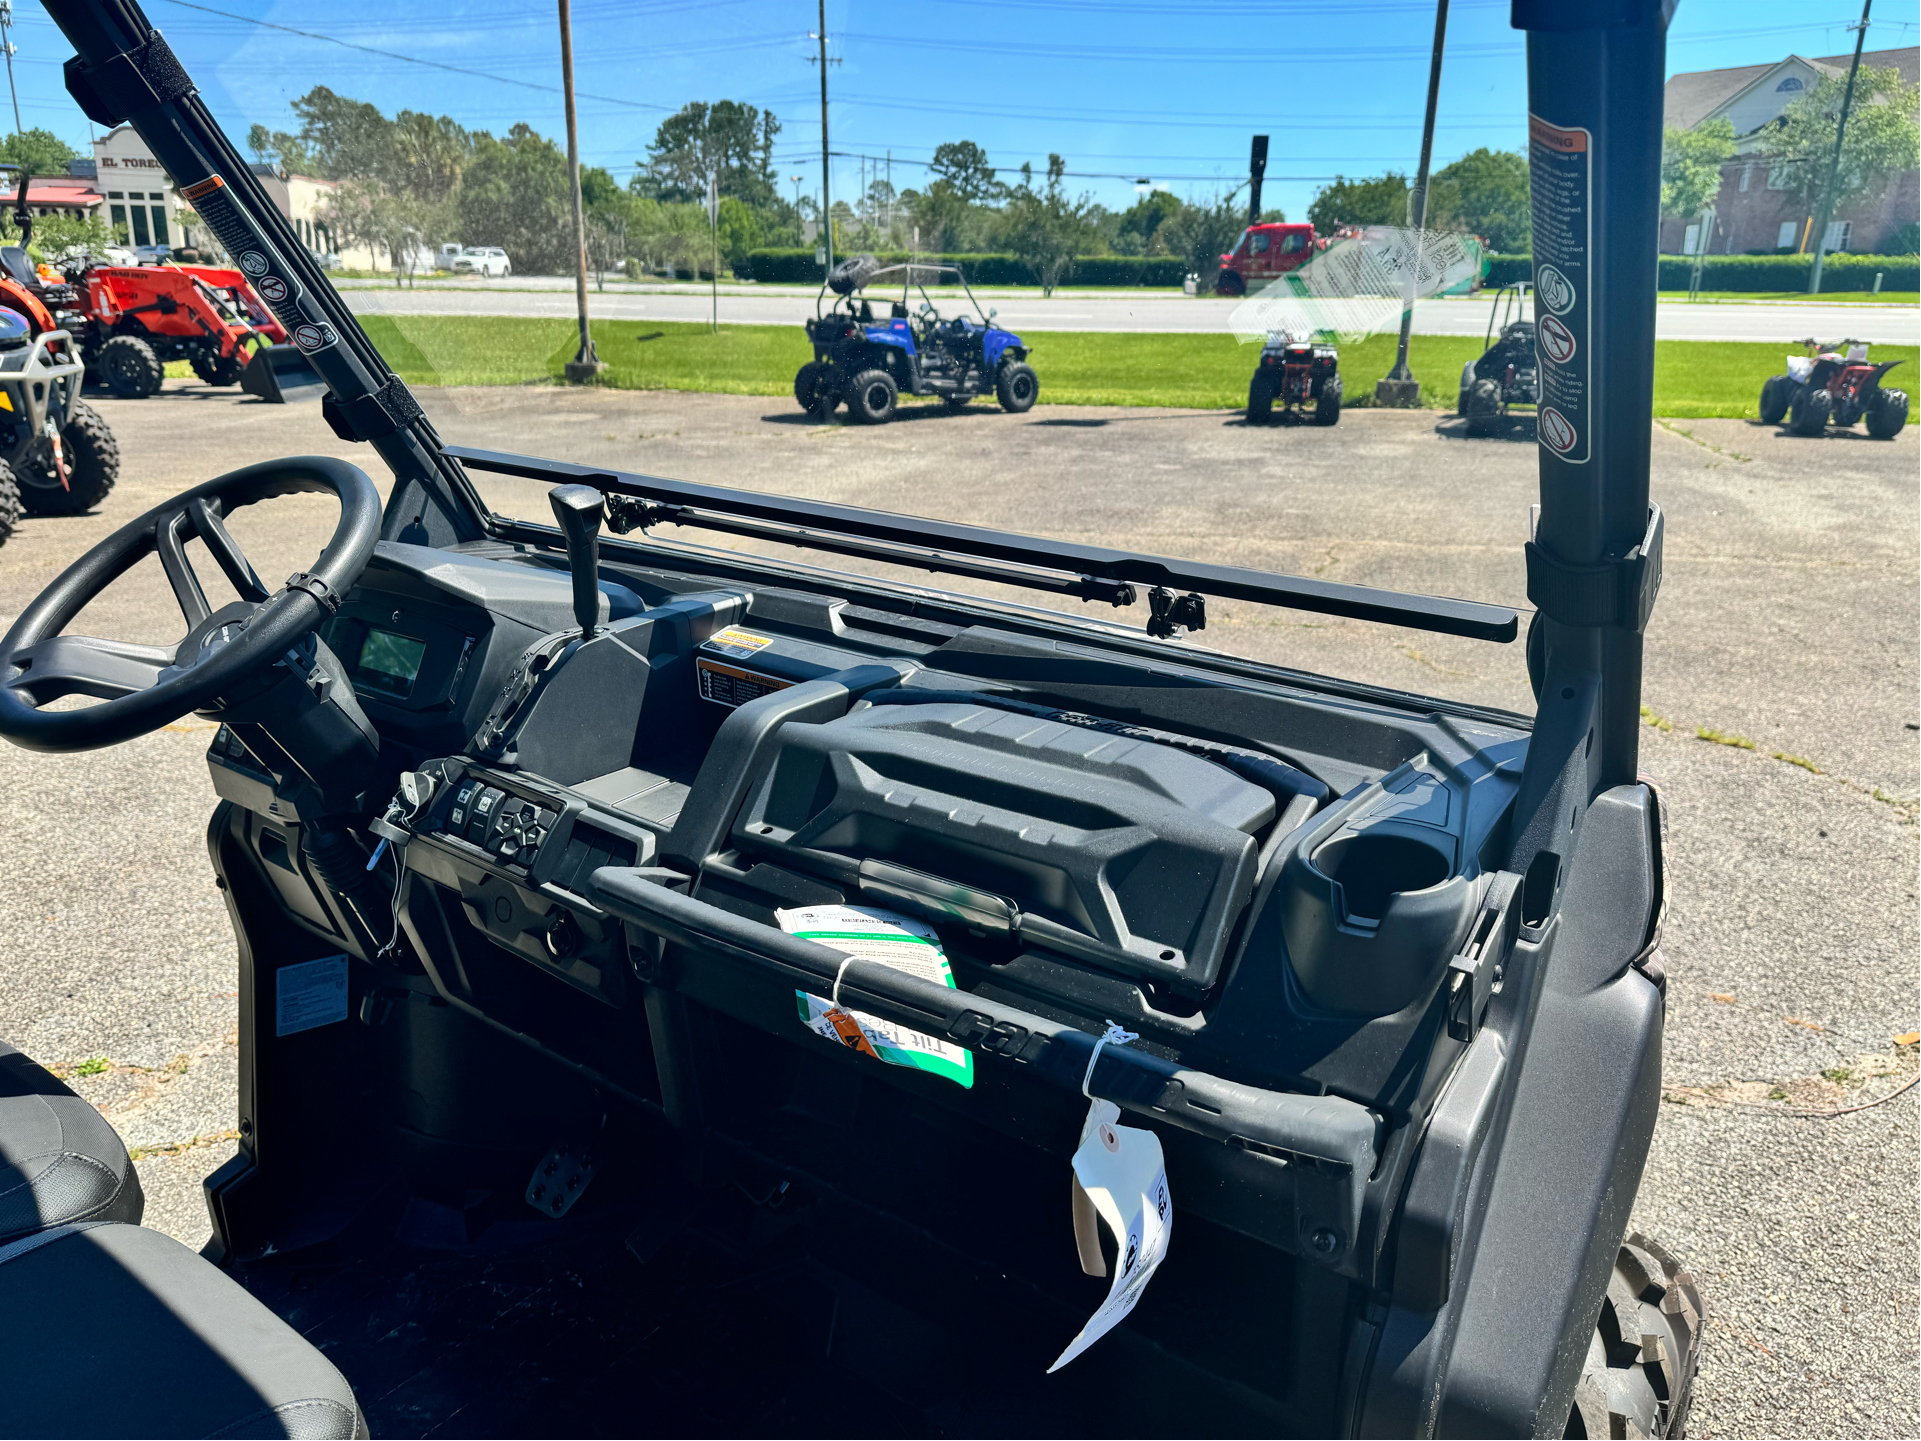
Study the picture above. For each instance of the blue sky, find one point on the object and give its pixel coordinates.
(1138, 88)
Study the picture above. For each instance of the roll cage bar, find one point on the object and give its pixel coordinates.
(1595, 72)
(913, 275)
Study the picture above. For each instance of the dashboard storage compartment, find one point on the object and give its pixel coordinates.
(1125, 853)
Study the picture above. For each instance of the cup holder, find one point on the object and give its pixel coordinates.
(1372, 869)
(1371, 918)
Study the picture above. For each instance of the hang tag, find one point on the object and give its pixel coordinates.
(1087, 1235)
(869, 934)
(1123, 1175)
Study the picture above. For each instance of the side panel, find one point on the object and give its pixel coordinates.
(997, 341)
(1555, 1179)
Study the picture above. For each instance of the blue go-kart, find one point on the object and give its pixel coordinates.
(868, 361)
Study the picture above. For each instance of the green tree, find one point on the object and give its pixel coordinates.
(1484, 193)
(1046, 229)
(1379, 201)
(1200, 232)
(67, 237)
(516, 194)
(962, 166)
(1882, 140)
(1691, 162)
(38, 152)
(727, 137)
(1139, 230)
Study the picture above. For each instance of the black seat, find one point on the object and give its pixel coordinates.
(111, 1330)
(59, 1161)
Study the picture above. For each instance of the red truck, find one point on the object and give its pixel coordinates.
(1265, 251)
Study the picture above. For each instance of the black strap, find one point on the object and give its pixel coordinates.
(1618, 591)
(369, 417)
(129, 82)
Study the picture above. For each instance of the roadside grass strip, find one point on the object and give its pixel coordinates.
(1692, 379)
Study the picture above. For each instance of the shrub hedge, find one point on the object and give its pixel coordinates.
(797, 267)
(1753, 272)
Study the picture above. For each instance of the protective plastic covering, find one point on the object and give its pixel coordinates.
(1357, 286)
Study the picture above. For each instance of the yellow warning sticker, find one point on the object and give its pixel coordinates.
(737, 642)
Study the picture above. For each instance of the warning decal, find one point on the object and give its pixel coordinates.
(1562, 164)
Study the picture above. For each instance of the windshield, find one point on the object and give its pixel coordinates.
(916, 262)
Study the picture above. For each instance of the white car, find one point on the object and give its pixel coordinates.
(486, 260)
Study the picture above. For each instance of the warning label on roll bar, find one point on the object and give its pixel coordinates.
(1561, 161)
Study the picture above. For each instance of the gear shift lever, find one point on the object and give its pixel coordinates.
(580, 509)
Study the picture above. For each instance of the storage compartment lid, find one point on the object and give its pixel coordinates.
(1127, 853)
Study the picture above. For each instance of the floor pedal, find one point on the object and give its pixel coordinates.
(560, 1178)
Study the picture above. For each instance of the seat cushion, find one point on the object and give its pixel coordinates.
(110, 1330)
(59, 1160)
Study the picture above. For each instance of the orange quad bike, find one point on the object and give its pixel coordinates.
(57, 456)
(1835, 384)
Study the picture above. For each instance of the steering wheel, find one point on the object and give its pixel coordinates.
(144, 687)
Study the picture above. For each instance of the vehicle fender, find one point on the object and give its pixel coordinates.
(898, 336)
(1874, 380)
(997, 343)
(1554, 1159)
(1467, 374)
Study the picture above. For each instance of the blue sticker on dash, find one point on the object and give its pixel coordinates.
(313, 993)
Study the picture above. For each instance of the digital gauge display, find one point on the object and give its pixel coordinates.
(390, 663)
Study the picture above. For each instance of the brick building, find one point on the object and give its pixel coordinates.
(1755, 211)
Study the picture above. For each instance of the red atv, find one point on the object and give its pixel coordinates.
(1836, 384)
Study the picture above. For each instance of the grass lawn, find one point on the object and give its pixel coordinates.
(1826, 297)
(1692, 379)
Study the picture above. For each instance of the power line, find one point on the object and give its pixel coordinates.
(411, 59)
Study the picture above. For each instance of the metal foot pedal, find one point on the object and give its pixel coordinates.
(560, 1178)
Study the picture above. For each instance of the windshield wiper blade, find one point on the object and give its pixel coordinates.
(1439, 614)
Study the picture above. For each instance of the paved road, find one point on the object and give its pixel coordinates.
(1788, 620)
(1071, 310)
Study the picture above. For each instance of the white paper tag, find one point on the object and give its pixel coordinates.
(901, 942)
(313, 993)
(1124, 1174)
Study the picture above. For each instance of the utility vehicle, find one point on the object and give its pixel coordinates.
(1304, 375)
(1834, 384)
(559, 864)
(868, 360)
(1507, 372)
(1265, 251)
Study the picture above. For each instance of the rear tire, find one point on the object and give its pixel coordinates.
(1638, 1379)
(217, 369)
(1260, 400)
(10, 507)
(1888, 414)
(1811, 411)
(1017, 388)
(872, 396)
(1776, 395)
(130, 368)
(1327, 405)
(93, 465)
(1484, 408)
(1230, 283)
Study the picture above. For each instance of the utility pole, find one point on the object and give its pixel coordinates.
(826, 192)
(586, 365)
(713, 224)
(1834, 169)
(1400, 387)
(11, 49)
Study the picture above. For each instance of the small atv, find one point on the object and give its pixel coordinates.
(1507, 373)
(1300, 374)
(868, 362)
(1836, 385)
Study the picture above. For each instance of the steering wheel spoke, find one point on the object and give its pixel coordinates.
(199, 517)
(65, 665)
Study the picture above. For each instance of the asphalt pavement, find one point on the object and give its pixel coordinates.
(1786, 635)
(1777, 323)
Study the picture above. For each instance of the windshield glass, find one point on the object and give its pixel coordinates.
(915, 261)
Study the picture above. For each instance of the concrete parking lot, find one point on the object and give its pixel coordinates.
(1782, 727)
